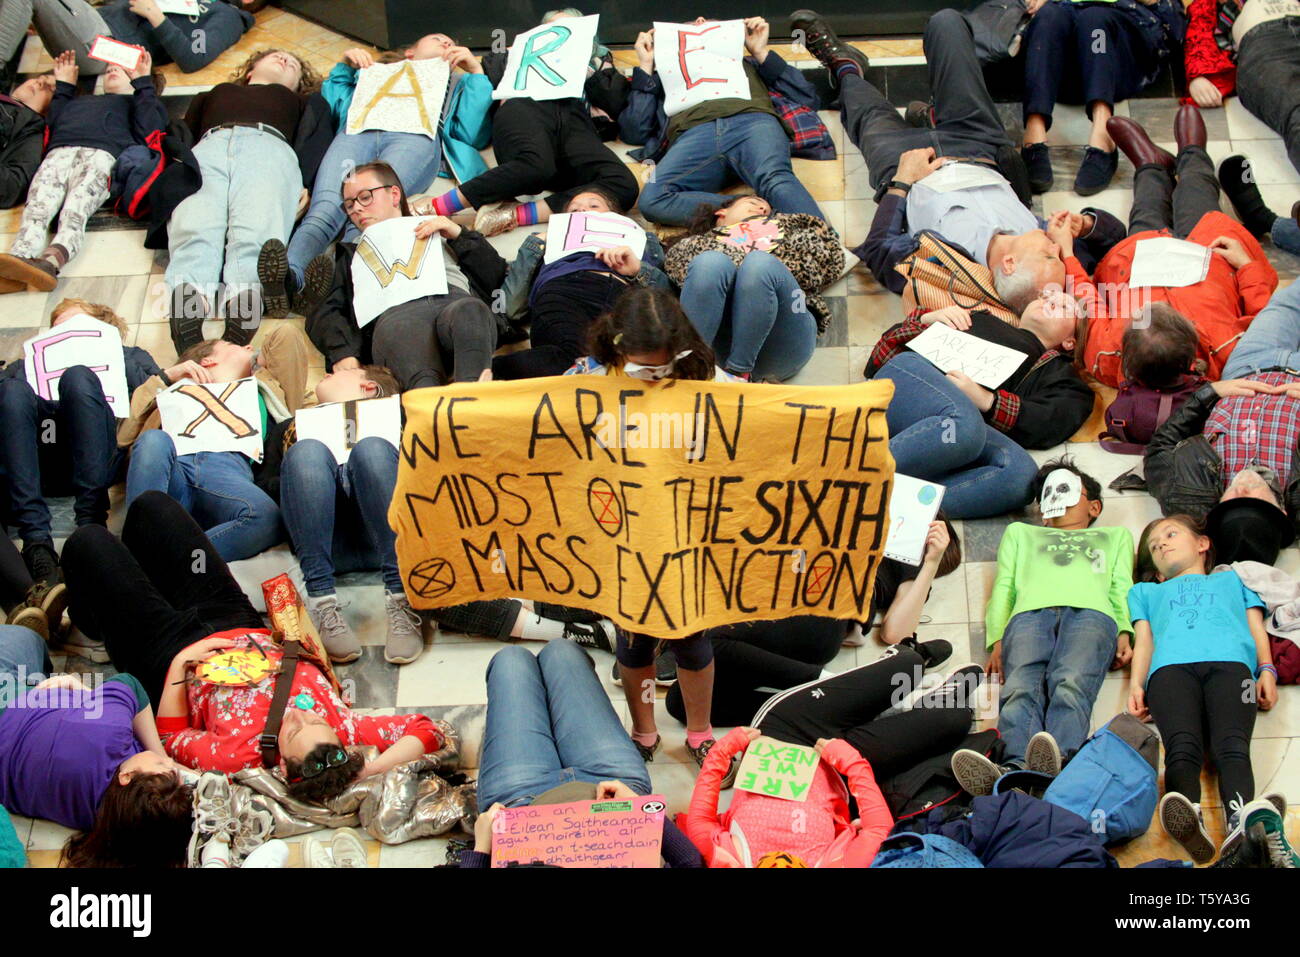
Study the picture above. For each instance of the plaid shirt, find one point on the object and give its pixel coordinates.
(811, 139)
(1256, 430)
(1006, 404)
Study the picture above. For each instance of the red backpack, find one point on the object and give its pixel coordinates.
(1139, 410)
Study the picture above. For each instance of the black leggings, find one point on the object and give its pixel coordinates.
(1210, 701)
(159, 589)
(15, 579)
(763, 654)
(562, 313)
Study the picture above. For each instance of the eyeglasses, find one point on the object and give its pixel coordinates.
(314, 766)
(362, 199)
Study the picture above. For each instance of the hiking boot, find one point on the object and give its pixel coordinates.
(405, 638)
(976, 773)
(243, 313)
(702, 752)
(335, 633)
(43, 563)
(272, 272)
(189, 309)
(599, 635)
(1043, 754)
(1038, 161)
(496, 218)
(1096, 170)
(918, 115)
(39, 274)
(317, 279)
(829, 50)
(1181, 820)
(648, 753)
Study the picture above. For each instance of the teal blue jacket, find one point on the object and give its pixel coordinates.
(466, 129)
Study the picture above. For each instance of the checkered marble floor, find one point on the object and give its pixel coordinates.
(448, 679)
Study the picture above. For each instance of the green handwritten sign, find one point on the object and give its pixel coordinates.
(777, 769)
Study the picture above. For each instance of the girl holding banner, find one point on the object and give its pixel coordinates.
(750, 281)
(453, 124)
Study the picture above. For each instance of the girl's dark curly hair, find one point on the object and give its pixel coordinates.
(649, 320)
(144, 823)
(327, 785)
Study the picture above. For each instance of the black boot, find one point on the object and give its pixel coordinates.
(1238, 181)
(43, 563)
(188, 312)
(272, 273)
(832, 52)
(243, 316)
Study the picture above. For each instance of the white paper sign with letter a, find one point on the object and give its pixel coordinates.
(401, 97)
(341, 425)
(391, 267)
(549, 62)
(701, 62)
(80, 340)
(213, 417)
(571, 233)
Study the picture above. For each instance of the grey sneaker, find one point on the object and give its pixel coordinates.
(405, 630)
(335, 633)
(1181, 820)
(975, 772)
(1043, 755)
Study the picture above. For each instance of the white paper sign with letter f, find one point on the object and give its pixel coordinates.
(700, 62)
(549, 62)
(80, 340)
(213, 417)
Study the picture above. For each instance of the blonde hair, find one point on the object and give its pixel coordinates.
(308, 82)
(94, 310)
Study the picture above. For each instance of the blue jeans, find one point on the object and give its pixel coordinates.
(215, 487)
(937, 434)
(549, 722)
(1286, 234)
(413, 157)
(215, 235)
(78, 455)
(22, 653)
(1272, 339)
(752, 147)
(753, 315)
(1054, 660)
(337, 515)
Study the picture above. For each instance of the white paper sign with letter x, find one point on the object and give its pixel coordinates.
(79, 340)
(549, 62)
(700, 62)
(213, 417)
(570, 233)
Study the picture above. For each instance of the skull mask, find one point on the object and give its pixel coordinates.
(1062, 489)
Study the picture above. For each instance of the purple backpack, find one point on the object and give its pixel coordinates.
(1139, 410)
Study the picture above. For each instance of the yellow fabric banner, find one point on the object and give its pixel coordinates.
(667, 506)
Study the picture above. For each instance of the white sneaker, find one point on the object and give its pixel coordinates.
(316, 854)
(347, 849)
(273, 853)
(216, 853)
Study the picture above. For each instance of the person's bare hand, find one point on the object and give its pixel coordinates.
(464, 58)
(1060, 231)
(756, 34)
(148, 9)
(483, 828)
(621, 259)
(1232, 250)
(1123, 653)
(936, 542)
(440, 225)
(1137, 703)
(993, 669)
(1033, 6)
(72, 682)
(1204, 93)
(65, 67)
(954, 317)
(1244, 388)
(916, 165)
(980, 397)
(189, 369)
(645, 50)
(358, 58)
(614, 791)
(143, 66)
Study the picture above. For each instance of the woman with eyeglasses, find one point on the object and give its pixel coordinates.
(289, 275)
(164, 602)
(750, 281)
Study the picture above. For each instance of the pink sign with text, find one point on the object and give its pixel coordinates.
(617, 833)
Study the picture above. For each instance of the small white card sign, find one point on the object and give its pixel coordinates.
(570, 233)
(951, 177)
(213, 417)
(952, 350)
(1168, 262)
(341, 425)
(549, 62)
(700, 62)
(108, 50)
(79, 340)
(391, 267)
(188, 8)
(913, 504)
(401, 97)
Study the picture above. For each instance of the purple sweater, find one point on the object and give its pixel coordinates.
(59, 750)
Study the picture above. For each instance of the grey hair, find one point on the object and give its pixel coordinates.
(1017, 289)
(564, 11)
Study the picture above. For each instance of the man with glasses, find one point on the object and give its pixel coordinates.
(430, 340)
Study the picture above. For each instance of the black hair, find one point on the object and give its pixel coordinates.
(647, 320)
(330, 783)
(1091, 487)
(1158, 347)
(604, 193)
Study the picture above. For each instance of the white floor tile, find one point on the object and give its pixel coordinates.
(447, 674)
(112, 253)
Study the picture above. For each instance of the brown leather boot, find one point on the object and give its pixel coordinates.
(1137, 146)
(1189, 127)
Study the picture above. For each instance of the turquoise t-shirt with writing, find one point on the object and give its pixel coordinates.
(1197, 618)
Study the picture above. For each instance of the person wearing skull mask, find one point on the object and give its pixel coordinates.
(1052, 656)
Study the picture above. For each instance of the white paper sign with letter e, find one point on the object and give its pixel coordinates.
(952, 350)
(213, 417)
(80, 340)
(549, 62)
(1168, 262)
(570, 233)
(913, 504)
(700, 62)
(401, 97)
(341, 425)
(391, 267)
